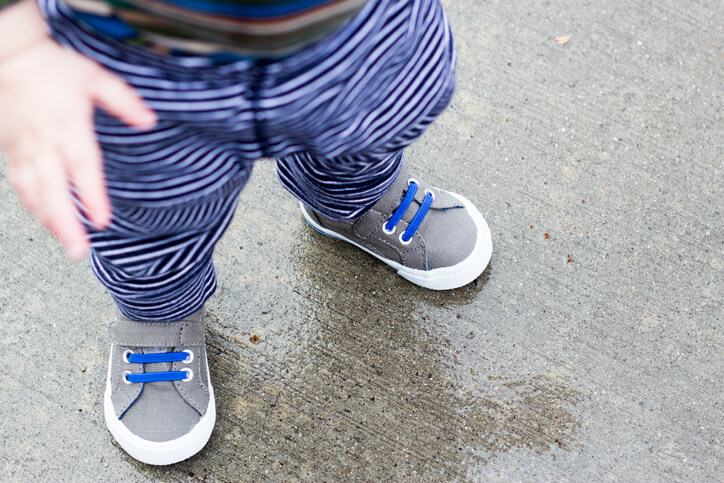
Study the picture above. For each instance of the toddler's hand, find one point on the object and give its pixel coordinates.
(47, 99)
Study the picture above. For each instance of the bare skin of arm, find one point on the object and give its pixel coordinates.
(47, 98)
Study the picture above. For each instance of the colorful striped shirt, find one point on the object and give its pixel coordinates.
(259, 28)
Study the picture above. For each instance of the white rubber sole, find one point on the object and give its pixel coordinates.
(154, 452)
(445, 278)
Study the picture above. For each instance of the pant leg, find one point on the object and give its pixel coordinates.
(156, 261)
(335, 188)
(380, 91)
(174, 188)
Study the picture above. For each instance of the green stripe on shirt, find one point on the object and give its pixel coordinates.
(263, 28)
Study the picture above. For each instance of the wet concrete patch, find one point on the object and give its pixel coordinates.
(359, 377)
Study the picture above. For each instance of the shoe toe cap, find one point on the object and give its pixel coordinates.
(450, 236)
(160, 414)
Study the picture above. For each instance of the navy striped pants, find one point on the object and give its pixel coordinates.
(335, 115)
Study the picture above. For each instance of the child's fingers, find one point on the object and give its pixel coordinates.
(121, 100)
(22, 179)
(83, 161)
(56, 211)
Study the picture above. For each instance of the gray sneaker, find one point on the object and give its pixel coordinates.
(159, 403)
(433, 238)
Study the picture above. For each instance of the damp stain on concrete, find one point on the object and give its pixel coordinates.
(360, 377)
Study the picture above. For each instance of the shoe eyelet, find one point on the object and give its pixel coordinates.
(394, 228)
(127, 353)
(428, 192)
(403, 241)
(190, 357)
(125, 375)
(190, 374)
(412, 180)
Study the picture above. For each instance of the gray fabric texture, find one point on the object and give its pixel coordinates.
(164, 410)
(446, 236)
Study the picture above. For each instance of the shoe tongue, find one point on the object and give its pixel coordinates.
(156, 350)
(157, 366)
(443, 199)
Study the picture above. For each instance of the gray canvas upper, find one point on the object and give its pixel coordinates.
(446, 236)
(164, 410)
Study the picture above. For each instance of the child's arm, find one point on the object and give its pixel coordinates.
(47, 98)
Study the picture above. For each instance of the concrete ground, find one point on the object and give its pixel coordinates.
(591, 349)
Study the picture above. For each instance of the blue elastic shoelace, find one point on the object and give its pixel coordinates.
(157, 376)
(417, 219)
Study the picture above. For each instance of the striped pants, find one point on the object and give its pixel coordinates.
(336, 116)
